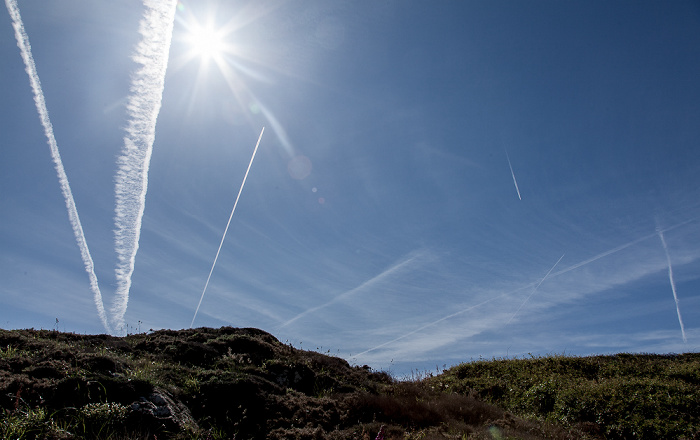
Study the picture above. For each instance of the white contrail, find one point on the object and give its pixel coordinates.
(375, 279)
(535, 289)
(618, 249)
(131, 181)
(452, 315)
(26, 51)
(240, 190)
(673, 283)
(561, 272)
(513, 174)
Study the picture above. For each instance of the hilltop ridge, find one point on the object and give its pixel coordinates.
(240, 383)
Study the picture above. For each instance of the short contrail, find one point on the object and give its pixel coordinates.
(513, 174)
(26, 51)
(131, 181)
(673, 283)
(535, 289)
(240, 190)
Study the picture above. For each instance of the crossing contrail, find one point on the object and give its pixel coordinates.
(143, 106)
(561, 272)
(223, 237)
(513, 174)
(535, 289)
(673, 283)
(26, 51)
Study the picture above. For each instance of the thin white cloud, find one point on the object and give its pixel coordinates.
(30, 67)
(391, 271)
(673, 284)
(132, 175)
(492, 310)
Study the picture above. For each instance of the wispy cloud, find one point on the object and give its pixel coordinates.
(444, 318)
(617, 249)
(561, 290)
(132, 175)
(391, 271)
(30, 67)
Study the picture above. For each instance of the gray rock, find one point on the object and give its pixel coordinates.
(160, 410)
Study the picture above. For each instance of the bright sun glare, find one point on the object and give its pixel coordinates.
(206, 41)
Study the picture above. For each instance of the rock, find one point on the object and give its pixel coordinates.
(160, 411)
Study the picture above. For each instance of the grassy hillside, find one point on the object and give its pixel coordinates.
(616, 397)
(242, 383)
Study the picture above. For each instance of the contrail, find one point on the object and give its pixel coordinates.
(131, 180)
(368, 283)
(513, 174)
(445, 318)
(618, 249)
(240, 190)
(535, 289)
(673, 283)
(26, 51)
(561, 272)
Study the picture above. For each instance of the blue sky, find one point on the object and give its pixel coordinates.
(380, 219)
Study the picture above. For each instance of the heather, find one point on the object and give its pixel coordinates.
(245, 384)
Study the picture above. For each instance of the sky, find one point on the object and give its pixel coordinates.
(436, 182)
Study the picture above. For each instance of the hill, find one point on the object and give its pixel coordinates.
(243, 383)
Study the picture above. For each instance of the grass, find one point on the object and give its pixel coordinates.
(242, 383)
(640, 396)
(8, 352)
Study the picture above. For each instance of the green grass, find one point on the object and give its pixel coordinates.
(619, 397)
(8, 352)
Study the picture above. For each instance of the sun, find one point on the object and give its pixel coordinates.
(206, 36)
(206, 41)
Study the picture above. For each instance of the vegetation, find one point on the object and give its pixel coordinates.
(624, 396)
(242, 383)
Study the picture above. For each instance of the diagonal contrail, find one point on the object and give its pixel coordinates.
(561, 272)
(26, 51)
(131, 181)
(535, 289)
(377, 278)
(513, 174)
(240, 190)
(452, 315)
(673, 283)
